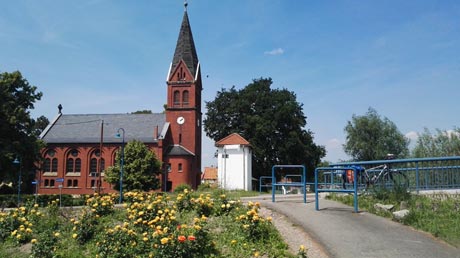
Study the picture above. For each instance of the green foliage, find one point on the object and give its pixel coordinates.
(181, 187)
(145, 111)
(149, 225)
(46, 244)
(369, 137)
(270, 119)
(18, 131)
(140, 171)
(440, 144)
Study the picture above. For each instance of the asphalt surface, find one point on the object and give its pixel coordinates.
(344, 233)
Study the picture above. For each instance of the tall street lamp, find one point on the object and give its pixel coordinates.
(18, 162)
(121, 133)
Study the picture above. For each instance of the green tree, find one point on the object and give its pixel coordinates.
(140, 170)
(369, 137)
(145, 111)
(18, 131)
(442, 144)
(270, 119)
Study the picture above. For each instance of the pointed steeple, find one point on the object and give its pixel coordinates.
(185, 47)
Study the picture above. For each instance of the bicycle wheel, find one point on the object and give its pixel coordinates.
(399, 180)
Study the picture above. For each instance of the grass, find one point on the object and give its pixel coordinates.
(437, 214)
(208, 223)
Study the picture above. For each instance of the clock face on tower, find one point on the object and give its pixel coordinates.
(180, 120)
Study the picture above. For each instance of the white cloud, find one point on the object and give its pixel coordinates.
(274, 52)
(412, 135)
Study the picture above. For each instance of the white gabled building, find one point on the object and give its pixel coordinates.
(234, 161)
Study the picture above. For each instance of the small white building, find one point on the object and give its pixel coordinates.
(234, 162)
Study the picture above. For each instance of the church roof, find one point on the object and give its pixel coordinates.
(233, 139)
(86, 128)
(178, 150)
(185, 48)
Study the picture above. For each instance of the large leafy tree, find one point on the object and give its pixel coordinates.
(18, 130)
(270, 119)
(441, 144)
(369, 137)
(140, 170)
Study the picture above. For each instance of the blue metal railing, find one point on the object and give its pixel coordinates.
(327, 186)
(266, 185)
(423, 173)
(301, 184)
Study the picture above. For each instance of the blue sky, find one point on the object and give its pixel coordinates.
(340, 57)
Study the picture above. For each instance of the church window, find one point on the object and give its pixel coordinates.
(47, 165)
(70, 167)
(52, 183)
(94, 167)
(47, 182)
(75, 183)
(54, 165)
(73, 163)
(69, 183)
(51, 153)
(78, 165)
(51, 163)
(176, 100)
(180, 167)
(185, 97)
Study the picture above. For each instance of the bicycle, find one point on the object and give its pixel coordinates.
(382, 175)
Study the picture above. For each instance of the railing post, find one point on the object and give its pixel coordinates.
(304, 180)
(417, 178)
(355, 185)
(316, 190)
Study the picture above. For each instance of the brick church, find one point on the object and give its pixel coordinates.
(80, 146)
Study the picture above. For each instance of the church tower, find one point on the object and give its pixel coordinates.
(183, 112)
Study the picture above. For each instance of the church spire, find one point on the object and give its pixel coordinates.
(185, 47)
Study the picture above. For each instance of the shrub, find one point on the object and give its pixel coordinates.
(181, 187)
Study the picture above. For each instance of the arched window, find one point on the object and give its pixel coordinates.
(70, 165)
(47, 165)
(185, 97)
(50, 164)
(176, 100)
(73, 163)
(94, 167)
(78, 165)
(54, 165)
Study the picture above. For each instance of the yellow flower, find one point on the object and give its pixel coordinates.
(164, 240)
(145, 239)
(302, 248)
(256, 254)
(33, 241)
(74, 236)
(233, 242)
(57, 234)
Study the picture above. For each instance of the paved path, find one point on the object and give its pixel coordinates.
(344, 233)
